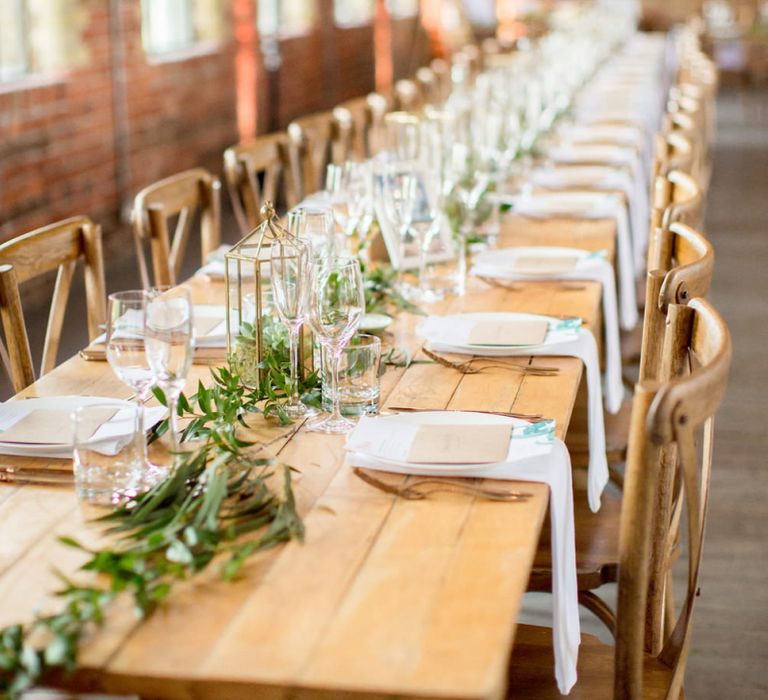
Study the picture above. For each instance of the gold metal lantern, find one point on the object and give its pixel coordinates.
(253, 328)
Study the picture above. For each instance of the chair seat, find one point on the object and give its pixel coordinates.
(597, 540)
(531, 670)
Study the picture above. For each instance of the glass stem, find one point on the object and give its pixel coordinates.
(461, 281)
(293, 342)
(173, 419)
(335, 359)
(401, 267)
(140, 411)
(422, 241)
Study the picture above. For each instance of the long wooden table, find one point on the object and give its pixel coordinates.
(385, 598)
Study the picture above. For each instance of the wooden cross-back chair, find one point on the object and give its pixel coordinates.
(442, 72)
(184, 195)
(671, 151)
(407, 96)
(652, 638)
(59, 246)
(256, 172)
(428, 86)
(686, 115)
(676, 196)
(314, 141)
(367, 123)
(681, 269)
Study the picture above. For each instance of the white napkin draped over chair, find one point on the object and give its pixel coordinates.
(591, 205)
(448, 334)
(498, 264)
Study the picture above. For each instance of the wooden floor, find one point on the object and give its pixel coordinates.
(729, 656)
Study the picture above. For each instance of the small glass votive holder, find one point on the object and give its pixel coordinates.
(108, 456)
(358, 377)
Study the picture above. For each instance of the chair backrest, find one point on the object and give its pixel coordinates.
(256, 172)
(676, 196)
(666, 418)
(442, 72)
(58, 246)
(367, 122)
(314, 141)
(407, 96)
(672, 151)
(680, 269)
(428, 86)
(183, 195)
(686, 115)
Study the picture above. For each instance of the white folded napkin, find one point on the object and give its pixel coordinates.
(499, 264)
(602, 177)
(617, 156)
(61, 445)
(211, 317)
(566, 338)
(591, 205)
(215, 267)
(552, 467)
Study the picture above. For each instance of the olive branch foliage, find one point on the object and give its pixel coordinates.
(219, 501)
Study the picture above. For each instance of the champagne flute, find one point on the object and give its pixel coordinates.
(316, 226)
(291, 277)
(336, 306)
(169, 339)
(403, 135)
(400, 189)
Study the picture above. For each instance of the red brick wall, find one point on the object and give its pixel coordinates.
(65, 149)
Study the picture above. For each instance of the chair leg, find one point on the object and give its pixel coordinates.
(600, 609)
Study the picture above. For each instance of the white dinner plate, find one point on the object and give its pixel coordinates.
(530, 445)
(57, 403)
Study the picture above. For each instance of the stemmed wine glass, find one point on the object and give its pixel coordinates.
(125, 347)
(169, 340)
(400, 190)
(336, 306)
(314, 225)
(291, 277)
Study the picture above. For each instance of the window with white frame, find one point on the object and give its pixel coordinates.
(167, 25)
(286, 17)
(350, 13)
(400, 9)
(15, 55)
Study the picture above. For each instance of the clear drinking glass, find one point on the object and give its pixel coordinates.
(291, 276)
(314, 225)
(109, 449)
(169, 339)
(403, 136)
(336, 306)
(399, 191)
(358, 386)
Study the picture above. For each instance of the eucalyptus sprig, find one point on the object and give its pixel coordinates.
(381, 295)
(217, 501)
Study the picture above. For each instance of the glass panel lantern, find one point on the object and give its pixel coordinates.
(253, 327)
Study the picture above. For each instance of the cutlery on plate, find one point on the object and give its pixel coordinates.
(535, 417)
(520, 286)
(470, 366)
(421, 488)
(35, 476)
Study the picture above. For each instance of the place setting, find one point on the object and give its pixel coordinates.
(471, 454)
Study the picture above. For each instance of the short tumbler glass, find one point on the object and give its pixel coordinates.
(358, 376)
(108, 454)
